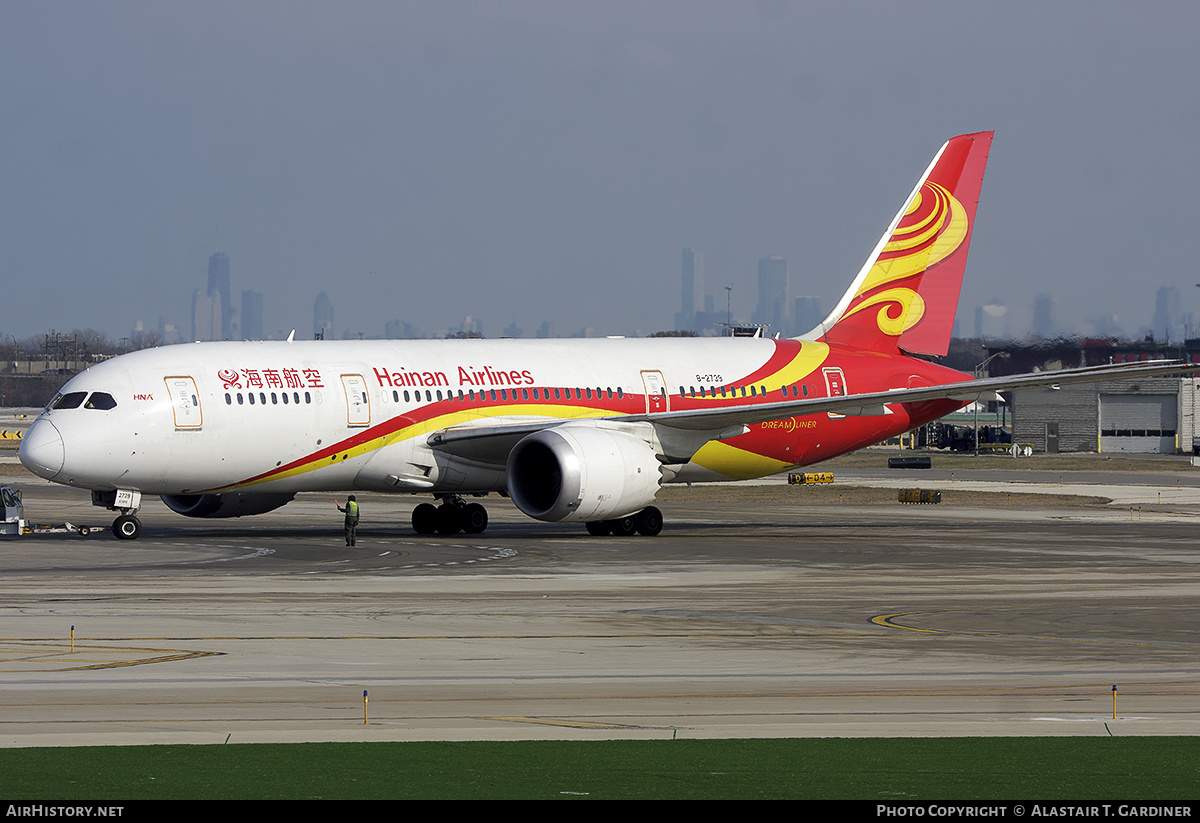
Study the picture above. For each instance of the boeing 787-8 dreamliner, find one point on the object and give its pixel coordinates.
(572, 430)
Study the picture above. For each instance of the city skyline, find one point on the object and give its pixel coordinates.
(993, 319)
(586, 145)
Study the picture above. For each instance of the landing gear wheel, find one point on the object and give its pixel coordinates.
(623, 527)
(474, 518)
(127, 527)
(425, 518)
(649, 521)
(449, 519)
(599, 528)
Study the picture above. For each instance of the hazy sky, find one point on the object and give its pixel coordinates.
(548, 160)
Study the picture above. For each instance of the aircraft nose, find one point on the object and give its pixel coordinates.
(41, 449)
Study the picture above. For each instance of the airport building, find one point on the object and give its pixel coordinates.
(1154, 415)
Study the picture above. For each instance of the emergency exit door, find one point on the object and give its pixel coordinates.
(656, 392)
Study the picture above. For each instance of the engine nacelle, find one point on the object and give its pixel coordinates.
(581, 473)
(224, 505)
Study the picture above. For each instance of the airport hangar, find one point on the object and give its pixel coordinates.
(1150, 416)
(1158, 415)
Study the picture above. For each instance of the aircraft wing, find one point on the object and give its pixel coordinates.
(875, 403)
(491, 443)
(485, 443)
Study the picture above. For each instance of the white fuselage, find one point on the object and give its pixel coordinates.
(284, 417)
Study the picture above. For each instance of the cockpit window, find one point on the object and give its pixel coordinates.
(70, 400)
(101, 400)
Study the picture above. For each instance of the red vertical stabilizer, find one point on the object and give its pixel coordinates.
(906, 295)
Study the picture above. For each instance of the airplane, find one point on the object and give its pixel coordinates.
(583, 431)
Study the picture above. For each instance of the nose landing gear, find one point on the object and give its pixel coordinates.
(127, 502)
(127, 527)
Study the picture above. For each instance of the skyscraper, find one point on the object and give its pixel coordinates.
(772, 293)
(1043, 316)
(252, 315)
(806, 315)
(218, 292)
(397, 330)
(322, 318)
(206, 318)
(168, 333)
(692, 284)
(1168, 323)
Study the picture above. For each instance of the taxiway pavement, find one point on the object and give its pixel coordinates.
(774, 617)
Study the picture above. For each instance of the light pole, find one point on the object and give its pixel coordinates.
(979, 373)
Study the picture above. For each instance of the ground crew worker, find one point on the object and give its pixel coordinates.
(351, 511)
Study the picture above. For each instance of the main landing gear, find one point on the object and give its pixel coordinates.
(127, 502)
(454, 515)
(648, 522)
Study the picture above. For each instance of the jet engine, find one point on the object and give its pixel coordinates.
(224, 505)
(582, 473)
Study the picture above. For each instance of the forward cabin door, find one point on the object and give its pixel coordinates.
(185, 402)
(358, 402)
(657, 399)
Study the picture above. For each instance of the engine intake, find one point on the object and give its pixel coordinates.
(582, 473)
(224, 505)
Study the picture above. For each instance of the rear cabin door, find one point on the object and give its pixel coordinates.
(835, 385)
(358, 403)
(656, 392)
(185, 402)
